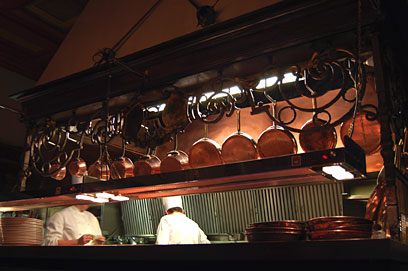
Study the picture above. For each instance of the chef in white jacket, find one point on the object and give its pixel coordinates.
(176, 228)
(73, 226)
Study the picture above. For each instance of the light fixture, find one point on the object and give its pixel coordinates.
(101, 197)
(338, 172)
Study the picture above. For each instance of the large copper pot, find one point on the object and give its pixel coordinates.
(175, 160)
(238, 146)
(205, 152)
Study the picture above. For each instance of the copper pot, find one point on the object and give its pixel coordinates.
(205, 152)
(238, 146)
(77, 167)
(122, 168)
(175, 160)
(146, 165)
(99, 170)
(366, 133)
(315, 136)
(276, 140)
(59, 174)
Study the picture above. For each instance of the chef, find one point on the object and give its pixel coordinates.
(73, 226)
(176, 228)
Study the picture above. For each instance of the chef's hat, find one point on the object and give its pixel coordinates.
(170, 202)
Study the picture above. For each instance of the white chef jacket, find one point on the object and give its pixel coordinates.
(177, 228)
(70, 223)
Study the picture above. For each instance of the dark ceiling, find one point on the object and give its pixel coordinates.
(31, 32)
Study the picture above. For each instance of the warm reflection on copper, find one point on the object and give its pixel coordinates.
(205, 152)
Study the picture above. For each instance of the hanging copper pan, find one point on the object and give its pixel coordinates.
(100, 168)
(276, 140)
(205, 152)
(123, 166)
(147, 164)
(366, 133)
(77, 167)
(238, 146)
(175, 160)
(314, 136)
(60, 174)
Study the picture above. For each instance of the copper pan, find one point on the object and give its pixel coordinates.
(338, 234)
(59, 173)
(175, 160)
(238, 146)
(147, 164)
(123, 166)
(205, 152)
(276, 140)
(77, 167)
(366, 133)
(100, 168)
(299, 225)
(350, 220)
(314, 136)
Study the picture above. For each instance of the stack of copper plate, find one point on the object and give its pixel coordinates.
(21, 231)
(276, 231)
(339, 227)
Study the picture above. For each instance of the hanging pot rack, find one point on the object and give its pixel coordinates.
(334, 68)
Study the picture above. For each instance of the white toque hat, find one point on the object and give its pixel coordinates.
(170, 202)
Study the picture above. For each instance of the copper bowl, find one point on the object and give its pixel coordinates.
(351, 220)
(341, 225)
(148, 164)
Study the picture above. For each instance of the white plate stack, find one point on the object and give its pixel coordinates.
(21, 231)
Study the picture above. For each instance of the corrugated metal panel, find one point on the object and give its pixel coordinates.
(231, 212)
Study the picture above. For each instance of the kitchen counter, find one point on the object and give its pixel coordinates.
(375, 254)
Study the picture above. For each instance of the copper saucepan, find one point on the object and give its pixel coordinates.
(315, 136)
(77, 167)
(238, 146)
(276, 140)
(147, 164)
(175, 160)
(205, 152)
(58, 174)
(123, 166)
(100, 168)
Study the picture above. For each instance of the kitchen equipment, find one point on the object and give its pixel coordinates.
(122, 167)
(366, 133)
(59, 174)
(314, 136)
(276, 140)
(174, 115)
(147, 164)
(238, 146)
(339, 227)
(100, 168)
(21, 231)
(77, 167)
(175, 160)
(205, 152)
(276, 231)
